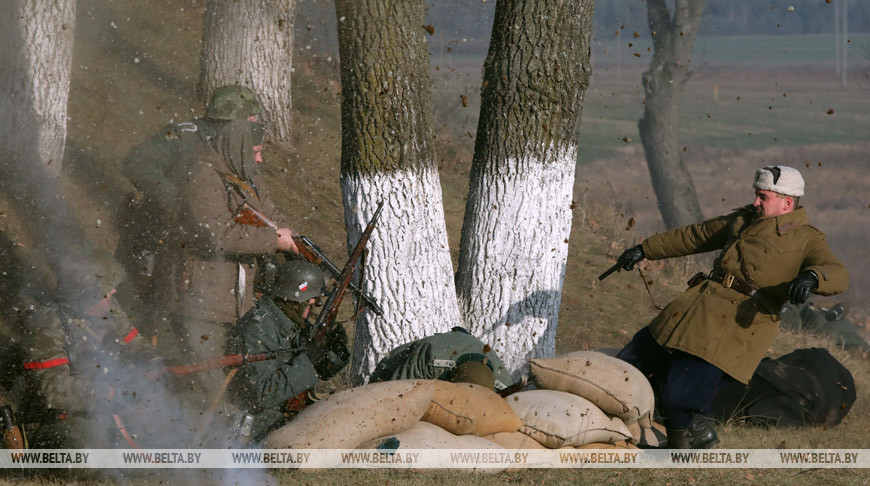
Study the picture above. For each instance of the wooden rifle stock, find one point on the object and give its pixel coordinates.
(330, 309)
(219, 362)
(313, 254)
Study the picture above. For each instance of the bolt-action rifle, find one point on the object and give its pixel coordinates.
(9, 430)
(325, 321)
(313, 254)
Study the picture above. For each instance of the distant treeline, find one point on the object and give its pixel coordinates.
(458, 21)
(741, 17)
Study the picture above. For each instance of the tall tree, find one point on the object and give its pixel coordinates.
(250, 42)
(34, 82)
(387, 154)
(518, 216)
(673, 39)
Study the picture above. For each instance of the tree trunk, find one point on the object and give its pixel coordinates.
(34, 82)
(673, 40)
(250, 42)
(387, 154)
(518, 215)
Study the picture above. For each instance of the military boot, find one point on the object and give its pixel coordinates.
(700, 434)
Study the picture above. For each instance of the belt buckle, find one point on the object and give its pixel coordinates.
(728, 280)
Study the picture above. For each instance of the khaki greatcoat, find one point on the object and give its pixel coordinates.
(218, 282)
(724, 327)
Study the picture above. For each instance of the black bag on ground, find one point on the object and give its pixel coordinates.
(804, 387)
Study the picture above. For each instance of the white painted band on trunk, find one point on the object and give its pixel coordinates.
(409, 270)
(517, 245)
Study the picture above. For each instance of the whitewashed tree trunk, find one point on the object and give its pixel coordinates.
(34, 81)
(387, 154)
(518, 215)
(250, 42)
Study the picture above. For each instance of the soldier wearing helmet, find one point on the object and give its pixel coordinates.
(279, 321)
(227, 224)
(149, 222)
(455, 356)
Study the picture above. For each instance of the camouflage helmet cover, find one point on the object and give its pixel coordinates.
(298, 281)
(232, 102)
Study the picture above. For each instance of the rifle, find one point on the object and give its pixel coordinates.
(312, 253)
(610, 270)
(220, 362)
(516, 386)
(330, 309)
(9, 430)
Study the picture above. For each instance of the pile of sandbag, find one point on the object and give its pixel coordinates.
(364, 415)
(586, 398)
(402, 414)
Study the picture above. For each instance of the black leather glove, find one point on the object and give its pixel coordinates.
(630, 257)
(799, 289)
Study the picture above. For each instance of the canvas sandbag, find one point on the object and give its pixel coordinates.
(351, 417)
(603, 445)
(514, 440)
(613, 385)
(423, 435)
(466, 408)
(557, 419)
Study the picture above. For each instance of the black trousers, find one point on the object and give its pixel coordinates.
(684, 385)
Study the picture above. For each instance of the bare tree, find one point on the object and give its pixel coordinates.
(34, 81)
(673, 39)
(518, 216)
(387, 154)
(250, 42)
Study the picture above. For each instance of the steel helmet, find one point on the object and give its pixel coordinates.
(298, 281)
(232, 102)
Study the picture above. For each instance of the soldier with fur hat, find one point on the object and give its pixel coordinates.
(719, 329)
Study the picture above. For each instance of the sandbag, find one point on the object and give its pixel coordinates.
(350, 417)
(466, 408)
(514, 440)
(557, 419)
(613, 385)
(423, 435)
(602, 445)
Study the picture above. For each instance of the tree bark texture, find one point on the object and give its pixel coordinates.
(518, 215)
(673, 40)
(34, 81)
(387, 155)
(250, 42)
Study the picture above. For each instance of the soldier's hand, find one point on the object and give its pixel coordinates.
(799, 289)
(630, 257)
(285, 240)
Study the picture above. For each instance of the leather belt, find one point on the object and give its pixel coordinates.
(731, 282)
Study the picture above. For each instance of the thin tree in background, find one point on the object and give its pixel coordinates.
(673, 37)
(518, 215)
(250, 42)
(387, 155)
(34, 82)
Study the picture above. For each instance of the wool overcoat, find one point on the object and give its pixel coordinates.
(720, 325)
